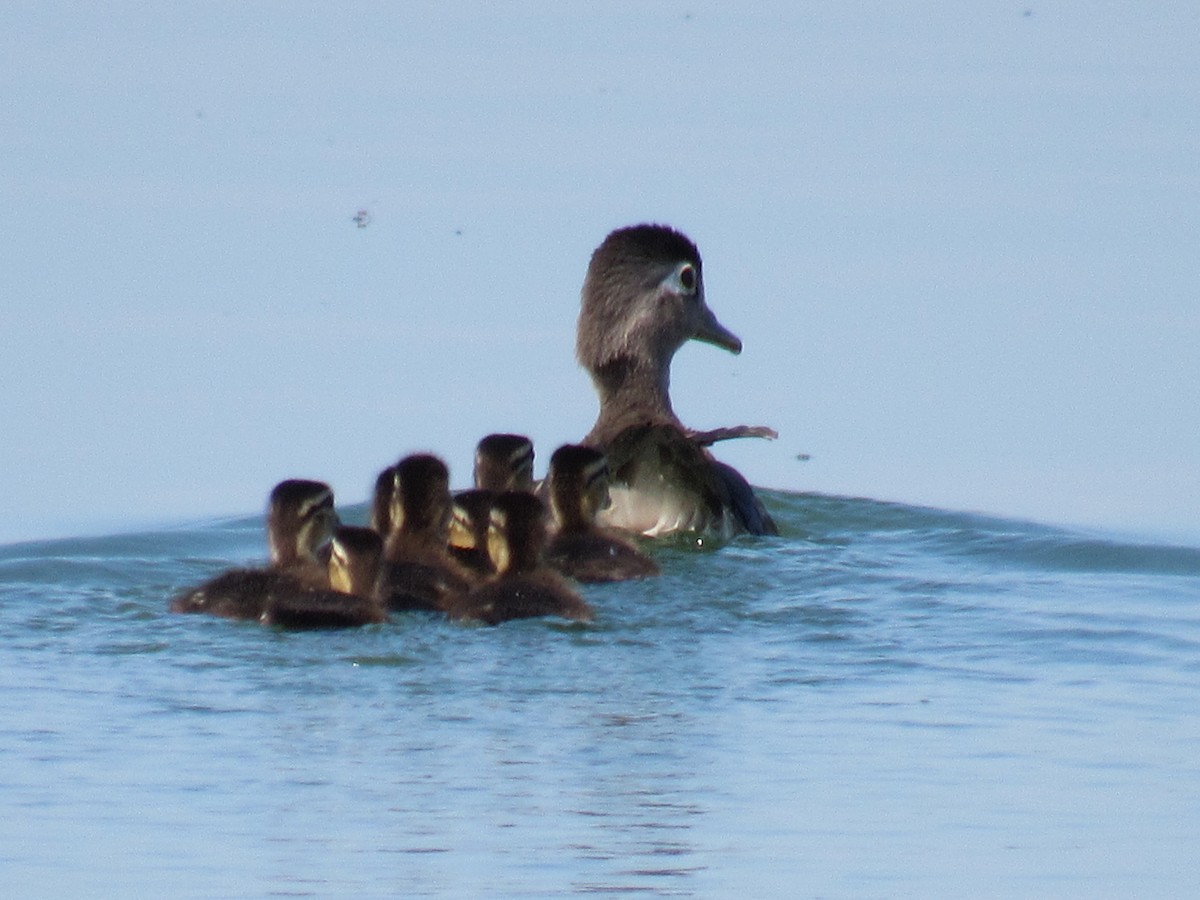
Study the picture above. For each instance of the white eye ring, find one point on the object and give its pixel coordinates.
(685, 280)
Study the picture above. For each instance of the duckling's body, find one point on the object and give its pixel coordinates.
(419, 572)
(300, 520)
(352, 598)
(642, 299)
(578, 483)
(524, 587)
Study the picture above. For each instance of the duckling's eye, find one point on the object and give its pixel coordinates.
(687, 278)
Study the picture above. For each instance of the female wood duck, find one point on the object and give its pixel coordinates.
(413, 502)
(300, 521)
(523, 587)
(642, 299)
(352, 598)
(578, 484)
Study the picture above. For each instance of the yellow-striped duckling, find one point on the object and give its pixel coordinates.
(353, 596)
(524, 586)
(419, 572)
(300, 521)
(642, 299)
(504, 462)
(472, 511)
(579, 489)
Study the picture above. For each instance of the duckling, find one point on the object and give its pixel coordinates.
(642, 299)
(381, 502)
(524, 586)
(468, 530)
(353, 595)
(578, 486)
(419, 572)
(300, 521)
(504, 462)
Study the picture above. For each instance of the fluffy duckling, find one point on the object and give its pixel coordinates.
(524, 586)
(468, 530)
(300, 521)
(419, 572)
(352, 599)
(504, 462)
(642, 299)
(578, 487)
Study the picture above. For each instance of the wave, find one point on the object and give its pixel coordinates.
(878, 529)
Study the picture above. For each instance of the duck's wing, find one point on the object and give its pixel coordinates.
(663, 480)
(745, 504)
(708, 438)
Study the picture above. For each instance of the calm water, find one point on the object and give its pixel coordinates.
(883, 702)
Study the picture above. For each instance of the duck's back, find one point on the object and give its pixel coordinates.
(236, 594)
(595, 557)
(320, 609)
(664, 481)
(417, 577)
(523, 596)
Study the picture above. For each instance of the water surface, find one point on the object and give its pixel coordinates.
(884, 701)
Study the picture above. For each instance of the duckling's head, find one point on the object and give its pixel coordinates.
(469, 522)
(300, 519)
(504, 462)
(579, 481)
(420, 496)
(516, 532)
(354, 560)
(381, 501)
(643, 298)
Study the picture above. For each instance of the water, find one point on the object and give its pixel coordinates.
(885, 701)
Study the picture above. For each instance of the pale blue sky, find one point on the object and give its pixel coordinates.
(957, 240)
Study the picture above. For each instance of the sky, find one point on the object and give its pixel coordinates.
(958, 241)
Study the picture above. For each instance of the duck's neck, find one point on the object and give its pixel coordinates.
(631, 393)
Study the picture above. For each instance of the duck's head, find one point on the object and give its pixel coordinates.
(354, 560)
(504, 462)
(469, 522)
(300, 520)
(420, 496)
(516, 532)
(579, 482)
(643, 298)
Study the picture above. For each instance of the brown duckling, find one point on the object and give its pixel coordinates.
(642, 299)
(504, 462)
(579, 488)
(472, 511)
(300, 521)
(352, 598)
(523, 587)
(419, 572)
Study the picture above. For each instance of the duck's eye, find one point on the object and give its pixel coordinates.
(687, 278)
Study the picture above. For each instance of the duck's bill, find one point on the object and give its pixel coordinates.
(713, 332)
